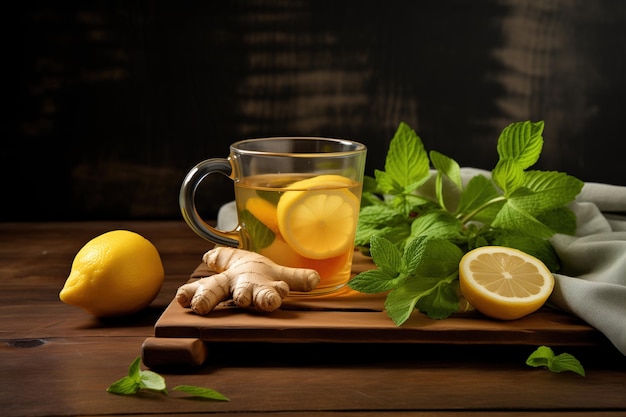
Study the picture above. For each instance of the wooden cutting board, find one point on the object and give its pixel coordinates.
(346, 316)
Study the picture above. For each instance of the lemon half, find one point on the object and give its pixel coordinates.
(504, 283)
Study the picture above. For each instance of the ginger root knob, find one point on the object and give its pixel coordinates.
(250, 279)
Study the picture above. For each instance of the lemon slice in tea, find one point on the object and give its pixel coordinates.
(318, 218)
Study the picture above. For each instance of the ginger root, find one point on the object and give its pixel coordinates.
(251, 279)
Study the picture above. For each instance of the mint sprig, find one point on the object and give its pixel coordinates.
(139, 380)
(545, 357)
(416, 210)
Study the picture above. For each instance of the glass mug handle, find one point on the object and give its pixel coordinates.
(187, 204)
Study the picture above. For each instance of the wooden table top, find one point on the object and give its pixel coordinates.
(57, 360)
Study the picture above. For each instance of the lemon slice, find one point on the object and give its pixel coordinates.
(504, 283)
(320, 222)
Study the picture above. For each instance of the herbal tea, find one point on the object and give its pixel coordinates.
(302, 222)
(298, 203)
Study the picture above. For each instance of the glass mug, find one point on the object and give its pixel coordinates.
(297, 199)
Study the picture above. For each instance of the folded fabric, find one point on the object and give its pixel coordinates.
(592, 281)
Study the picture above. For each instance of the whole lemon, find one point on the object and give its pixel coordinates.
(115, 274)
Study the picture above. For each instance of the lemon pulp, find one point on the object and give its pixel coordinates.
(317, 216)
(504, 283)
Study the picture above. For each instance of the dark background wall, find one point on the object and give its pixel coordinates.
(111, 102)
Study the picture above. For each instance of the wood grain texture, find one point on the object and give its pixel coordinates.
(57, 360)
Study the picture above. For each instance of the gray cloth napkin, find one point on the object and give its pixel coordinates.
(592, 282)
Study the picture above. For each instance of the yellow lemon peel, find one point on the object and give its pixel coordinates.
(115, 274)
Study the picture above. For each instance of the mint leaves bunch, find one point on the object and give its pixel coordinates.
(417, 223)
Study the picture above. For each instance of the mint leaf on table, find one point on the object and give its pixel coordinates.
(410, 208)
(152, 381)
(139, 380)
(124, 386)
(199, 392)
(545, 357)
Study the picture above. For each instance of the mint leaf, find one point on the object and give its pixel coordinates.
(447, 170)
(130, 384)
(540, 357)
(400, 303)
(413, 255)
(437, 224)
(124, 386)
(386, 182)
(152, 381)
(566, 362)
(407, 162)
(200, 392)
(270, 196)
(381, 219)
(375, 281)
(519, 147)
(480, 201)
(552, 189)
(403, 200)
(543, 198)
(134, 370)
(447, 167)
(545, 357)
(434, 297)
(441, 300)
(508, 175)
(559, 219)
(406, 168)
(262, 236)
(515, 216)
(438, 258)
(389, 262)
(521, 143)
(385, 255)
